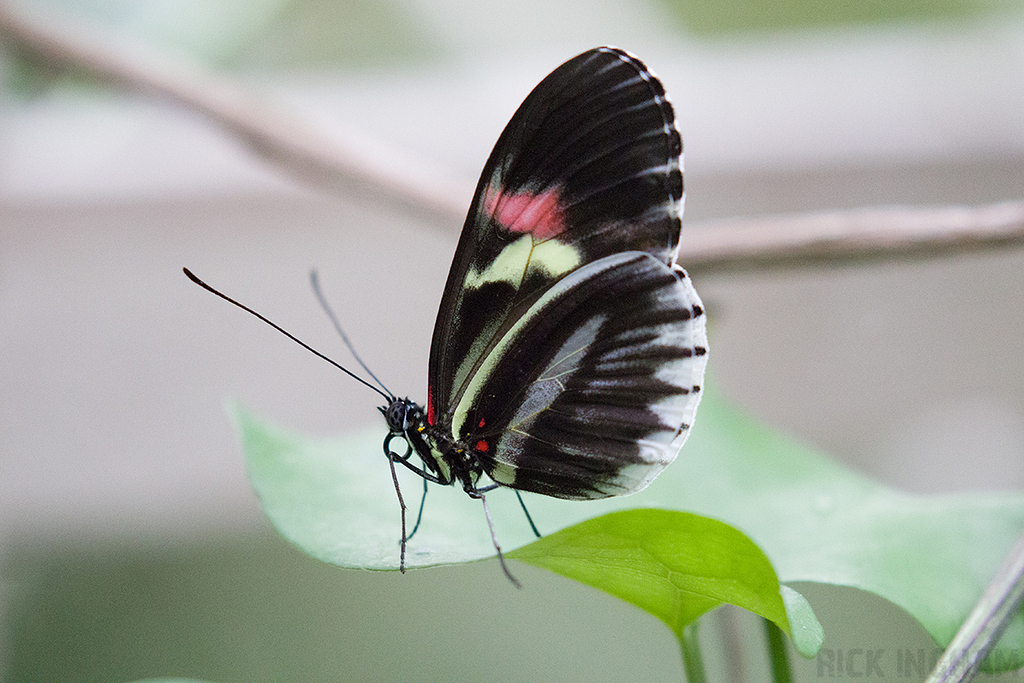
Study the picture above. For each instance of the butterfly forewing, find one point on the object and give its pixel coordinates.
(587, 167)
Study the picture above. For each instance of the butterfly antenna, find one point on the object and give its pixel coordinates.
(286, 333)
(314, 279)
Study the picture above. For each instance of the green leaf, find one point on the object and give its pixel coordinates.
(339, 505)
(804, 628)
(674, 565)
(335, 500)
(814, 519)
(817, 521)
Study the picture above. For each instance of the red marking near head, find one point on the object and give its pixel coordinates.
(431, 413)
(538, 214)
(483, 446)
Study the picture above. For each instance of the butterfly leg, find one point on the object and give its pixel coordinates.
(419, 517)
(401, 505)
(494, 539)
(525, 512)
(426, 476)
(518, 496)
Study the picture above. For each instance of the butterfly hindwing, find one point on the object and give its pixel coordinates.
(591, 392)
(587, 167)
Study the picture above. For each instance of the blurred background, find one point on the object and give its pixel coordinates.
(131, 543)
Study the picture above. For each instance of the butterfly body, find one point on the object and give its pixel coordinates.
(445, 459)
(569, 349)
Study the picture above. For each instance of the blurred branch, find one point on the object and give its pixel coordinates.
(986, 623)
(345, 161)
(850, 236)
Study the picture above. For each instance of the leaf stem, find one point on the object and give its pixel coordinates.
(781, 673)
(693, 660)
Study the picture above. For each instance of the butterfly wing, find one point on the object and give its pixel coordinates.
(587, 167)
(592, 391)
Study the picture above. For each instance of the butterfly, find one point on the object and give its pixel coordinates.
(569, 350)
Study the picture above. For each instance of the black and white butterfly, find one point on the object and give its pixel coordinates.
(569, 349)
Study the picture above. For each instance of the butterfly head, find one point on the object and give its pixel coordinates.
(400, 414)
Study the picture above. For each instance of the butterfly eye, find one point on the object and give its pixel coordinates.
(397, 415)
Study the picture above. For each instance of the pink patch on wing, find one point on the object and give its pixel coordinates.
(538, 214)
(431, 414)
